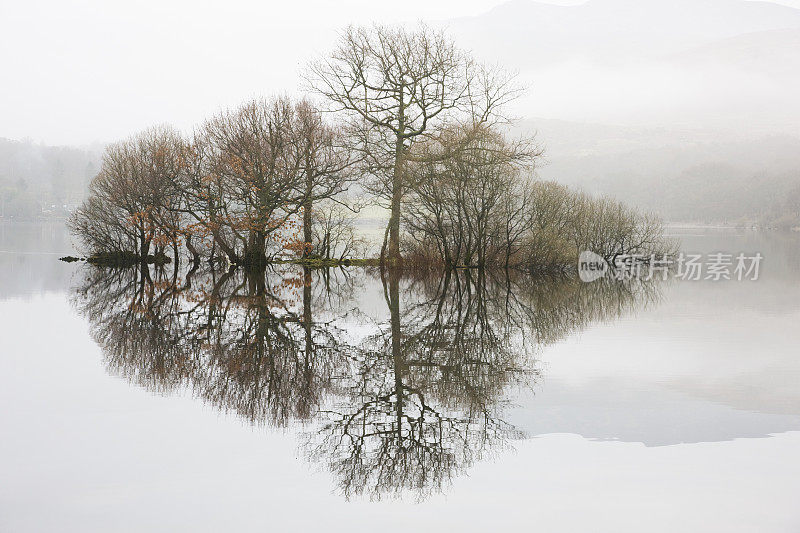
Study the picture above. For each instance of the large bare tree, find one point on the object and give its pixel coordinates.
(397, 85)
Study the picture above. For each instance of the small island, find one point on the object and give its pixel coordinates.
(400, 119)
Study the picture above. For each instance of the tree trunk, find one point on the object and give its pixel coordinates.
(192, 250)
(307, 207)
(144, 246)
(175, 251)
(307, 228)
(225, 247)
(397, 195)
(255, 257)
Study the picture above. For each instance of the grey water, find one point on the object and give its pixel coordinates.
(347, 400)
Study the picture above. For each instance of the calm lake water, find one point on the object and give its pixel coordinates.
(304, 401)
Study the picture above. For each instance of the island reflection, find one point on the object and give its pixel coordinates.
(392, 402)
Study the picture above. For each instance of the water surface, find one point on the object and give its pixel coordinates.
(349, 401)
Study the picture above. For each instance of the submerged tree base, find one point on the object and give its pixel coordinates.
(126, 259)
(327, 262)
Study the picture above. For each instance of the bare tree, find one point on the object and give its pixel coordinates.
(265, 163)
(334, 235)
(395, 86)
(467, 197)
(328, 164)
(131, 204)
(258, 173)
(563, 223)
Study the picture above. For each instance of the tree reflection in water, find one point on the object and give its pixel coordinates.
(396, 403)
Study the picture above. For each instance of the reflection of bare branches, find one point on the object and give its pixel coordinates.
(462, 335)
(422, 400)
(409, 407)
(424, 396)
(245, 345)
(396, 442)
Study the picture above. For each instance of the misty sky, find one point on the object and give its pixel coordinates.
(77, 72)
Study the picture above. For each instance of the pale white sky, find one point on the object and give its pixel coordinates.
(80, 71)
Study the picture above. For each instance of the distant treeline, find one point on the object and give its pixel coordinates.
(717, 194)
(682, 176)
(408, 121)
(38, 181)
